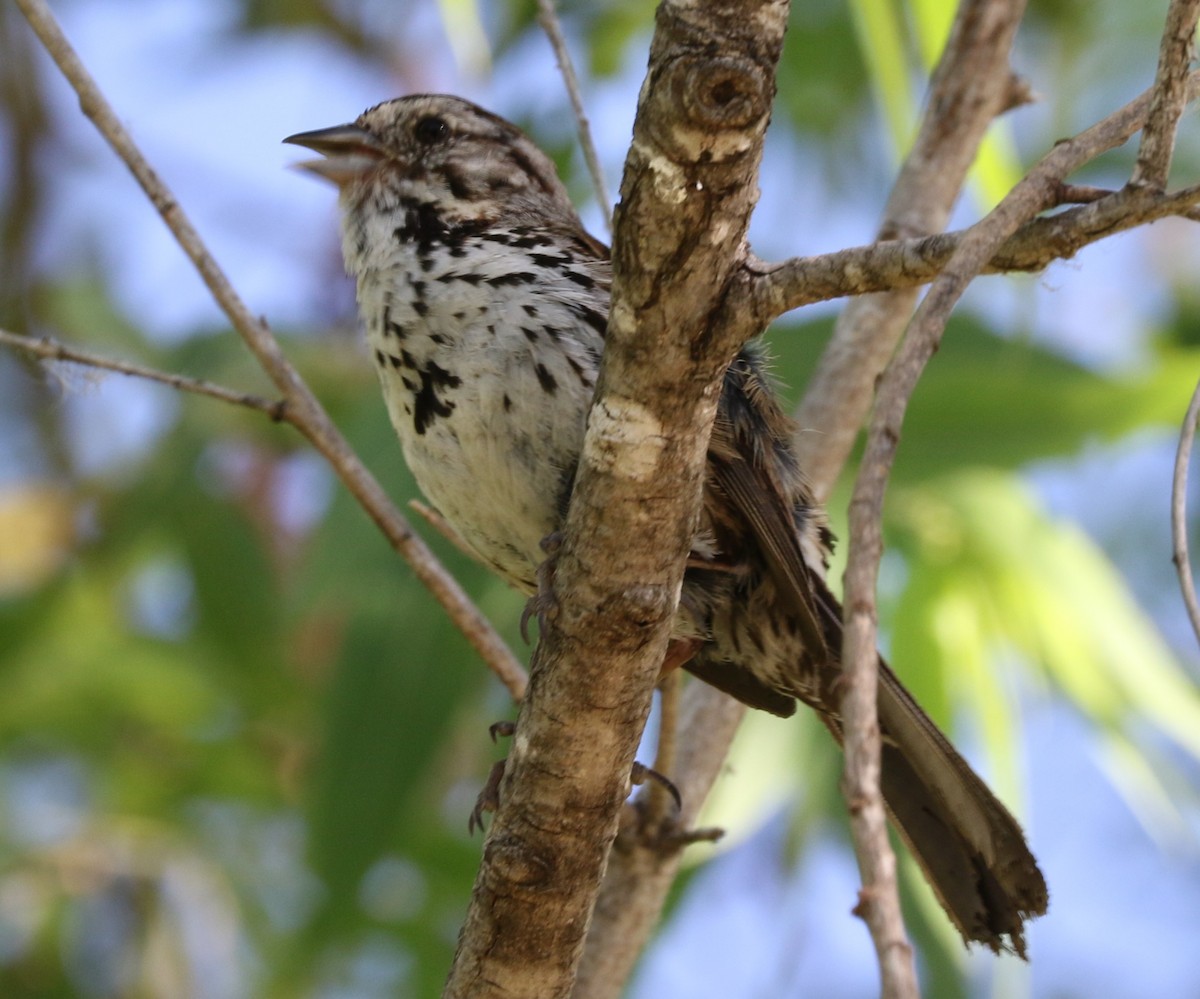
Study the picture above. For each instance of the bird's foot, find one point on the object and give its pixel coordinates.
(543, 604)
(489, 798)
(642, 773)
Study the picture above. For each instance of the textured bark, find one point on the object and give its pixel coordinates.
(962, 104)
(689, 187)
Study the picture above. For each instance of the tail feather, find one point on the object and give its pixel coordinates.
(971, 848)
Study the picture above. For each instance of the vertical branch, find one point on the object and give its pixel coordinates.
(972, 84)
(688, 190)
(1035, 193)
(1179, 519)
(970, 87)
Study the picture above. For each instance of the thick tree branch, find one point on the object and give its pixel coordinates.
(301, 406)
(689, 186)
(962, 104)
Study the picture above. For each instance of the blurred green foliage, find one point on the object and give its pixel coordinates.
(243, 736)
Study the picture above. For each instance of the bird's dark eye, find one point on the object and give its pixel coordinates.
(431, 129)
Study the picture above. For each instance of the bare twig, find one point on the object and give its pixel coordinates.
(1033, 194)
(1175, 54)
(970, 87)
(1179, 519)
(512, 675)
(433, 517)
(48, 349)
(303, 409)
(777, 288)
(908, 263)
(548, 19)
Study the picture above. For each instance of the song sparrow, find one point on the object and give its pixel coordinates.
(485, 304)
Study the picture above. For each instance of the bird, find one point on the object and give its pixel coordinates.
(485, 304)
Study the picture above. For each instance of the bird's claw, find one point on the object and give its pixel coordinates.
(488, 800)
(641, 773)
(543, 603)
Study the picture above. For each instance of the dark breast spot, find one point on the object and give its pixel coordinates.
(546, 379)
(512, 278)
(428, 405)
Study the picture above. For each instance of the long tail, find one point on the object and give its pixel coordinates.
(972, 850)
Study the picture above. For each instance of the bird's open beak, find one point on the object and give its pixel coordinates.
(349, 152)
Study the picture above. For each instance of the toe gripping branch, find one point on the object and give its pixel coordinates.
(489, 796)
(543, 604)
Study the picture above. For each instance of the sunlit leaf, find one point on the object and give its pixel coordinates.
(991, 573)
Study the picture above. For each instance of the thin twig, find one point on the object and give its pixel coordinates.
(971, 86)
(1179, 519)
(1175, 54)
(49, 349)
(1035, 192)
(433, 517)
(511, 674)
(1081, 194)
(303, 409)
(778, 288)
(548, 19)
(897, 264)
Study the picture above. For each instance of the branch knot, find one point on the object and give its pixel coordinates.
(713, 107)
(724, 92)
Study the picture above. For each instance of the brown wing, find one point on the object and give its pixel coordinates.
(751, 463)
(971, 848)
